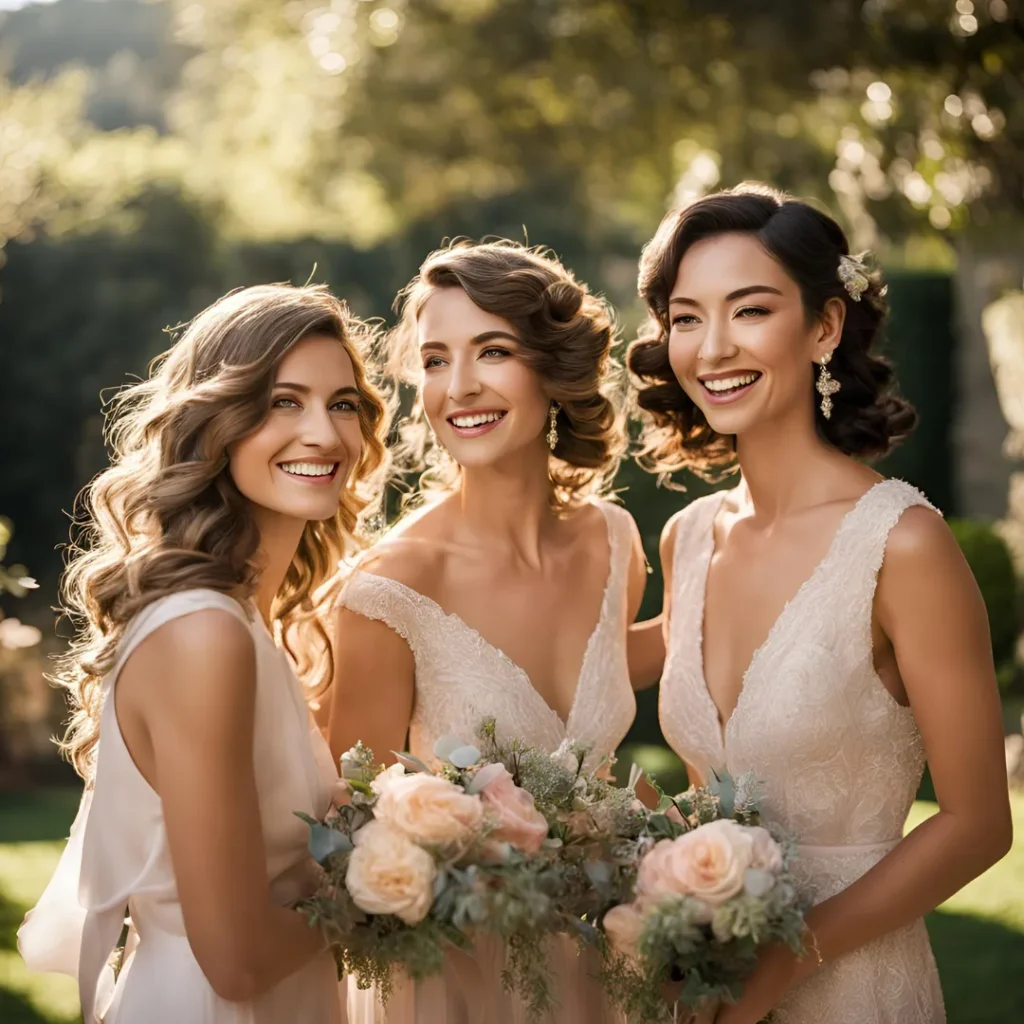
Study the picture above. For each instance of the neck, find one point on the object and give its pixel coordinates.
(785, 466)
(279, 540)
(508, 504)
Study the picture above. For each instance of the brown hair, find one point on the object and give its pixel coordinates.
(869, 416)
(566, 336)
(166, 516)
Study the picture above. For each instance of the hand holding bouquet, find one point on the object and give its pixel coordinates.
(415, 861)
(711, 888)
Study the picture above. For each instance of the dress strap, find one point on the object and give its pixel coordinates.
(165, 609)
(388, 601)
(692, 535)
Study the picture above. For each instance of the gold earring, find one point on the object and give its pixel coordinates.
(553, 428)
(826, 386)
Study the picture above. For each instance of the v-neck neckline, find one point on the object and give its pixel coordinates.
(514, 666)
(722, 728)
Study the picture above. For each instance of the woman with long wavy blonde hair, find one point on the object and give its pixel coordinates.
(509, 592)
(240, 470)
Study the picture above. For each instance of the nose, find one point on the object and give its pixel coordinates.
(319, 429)
(716, 344)
(463, 381)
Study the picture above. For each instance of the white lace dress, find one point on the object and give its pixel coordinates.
(838, 759)
(460, 680)
(118, 856)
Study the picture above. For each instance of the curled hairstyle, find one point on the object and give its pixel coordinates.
(565, 335)
(166, 515)
(869, 416)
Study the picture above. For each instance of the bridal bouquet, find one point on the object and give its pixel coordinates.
(711, 887)
(596, 829)
(415, 860)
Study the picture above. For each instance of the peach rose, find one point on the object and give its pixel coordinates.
(519, 821)
(623, 925)
(767, 854)
(431, 811)
(389, 874)
(386, 777)
(708, 863)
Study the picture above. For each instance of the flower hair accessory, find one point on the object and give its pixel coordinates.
(854, 275)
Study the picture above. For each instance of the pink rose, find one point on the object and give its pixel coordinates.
(709, 864)
(767, 854)
(623, 925)
(519, 821)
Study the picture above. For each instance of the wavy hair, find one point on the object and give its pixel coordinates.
(869, 416)
(166, 515)
(566, 336)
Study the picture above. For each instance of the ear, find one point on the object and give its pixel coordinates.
(830, 327)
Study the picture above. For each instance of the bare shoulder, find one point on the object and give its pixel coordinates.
(205, 637)
(413, 553)
(919, 537)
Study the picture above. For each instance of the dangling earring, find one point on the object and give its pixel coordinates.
(826, 386)
(553, 428)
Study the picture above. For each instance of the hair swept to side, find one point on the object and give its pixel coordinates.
(166, 515)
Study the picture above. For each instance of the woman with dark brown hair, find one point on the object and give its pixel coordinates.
(508, 593)
(823, 629)
(240, 471)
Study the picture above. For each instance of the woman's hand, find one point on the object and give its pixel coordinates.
(778, 970)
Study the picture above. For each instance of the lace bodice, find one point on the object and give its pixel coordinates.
(462, 679)
(838, 759)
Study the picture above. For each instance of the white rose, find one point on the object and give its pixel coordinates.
(431, 811)
(389, 874)
(767, 854)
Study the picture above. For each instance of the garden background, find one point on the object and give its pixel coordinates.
(155, 154)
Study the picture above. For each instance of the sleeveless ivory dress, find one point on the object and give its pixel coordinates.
(839, 761)
(117, 856)
(460, 680)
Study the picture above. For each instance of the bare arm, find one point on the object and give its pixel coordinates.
(929, 607)
(646, 641)
(372, 693)
(191, 685)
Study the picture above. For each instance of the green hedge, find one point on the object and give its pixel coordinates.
(989, 558)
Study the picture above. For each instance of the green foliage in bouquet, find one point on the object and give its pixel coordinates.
(678, 943)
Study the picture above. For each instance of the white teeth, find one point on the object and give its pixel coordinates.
(309, 468)
(477, 419)
(728, 383)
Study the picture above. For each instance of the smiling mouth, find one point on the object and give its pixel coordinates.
(473, 424)
(724, 389)
(311, 472)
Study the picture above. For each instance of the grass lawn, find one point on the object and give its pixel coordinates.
(978, 936)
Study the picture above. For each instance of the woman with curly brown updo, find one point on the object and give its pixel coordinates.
(509, 592)
(240, 470)
(823, 629)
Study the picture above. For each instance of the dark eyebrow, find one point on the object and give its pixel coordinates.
(731, 297)
(477, 339)
(303, 390)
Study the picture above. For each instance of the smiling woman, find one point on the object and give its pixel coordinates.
(240, 470)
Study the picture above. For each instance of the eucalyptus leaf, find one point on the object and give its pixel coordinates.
(411, 761)
(446, 744)
(723, 787)
(324, 841)
(464, 757)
